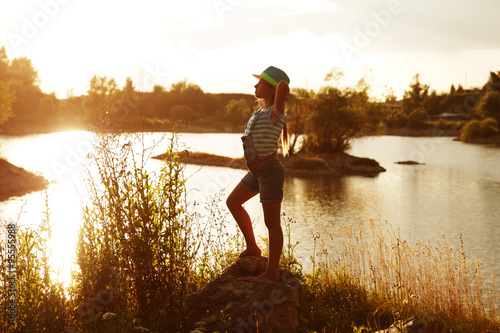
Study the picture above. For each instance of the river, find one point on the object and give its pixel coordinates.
(455, 191)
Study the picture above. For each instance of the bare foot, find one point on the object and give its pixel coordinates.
(266, 276)
(250, 253)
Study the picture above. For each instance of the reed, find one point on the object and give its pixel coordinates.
(31, 297)
(396, 280)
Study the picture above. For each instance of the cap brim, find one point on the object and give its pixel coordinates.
(261, 77)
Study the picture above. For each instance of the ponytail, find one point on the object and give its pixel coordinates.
(285, 144)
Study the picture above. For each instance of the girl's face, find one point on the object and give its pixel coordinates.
(264, 89)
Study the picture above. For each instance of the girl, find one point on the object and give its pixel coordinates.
(267, 175)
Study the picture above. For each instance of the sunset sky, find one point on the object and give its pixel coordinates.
(218, 44)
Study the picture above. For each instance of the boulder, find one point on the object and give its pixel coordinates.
(232, 303)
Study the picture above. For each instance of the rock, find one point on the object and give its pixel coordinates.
(410, 325)
(409, 163)
(230, 303)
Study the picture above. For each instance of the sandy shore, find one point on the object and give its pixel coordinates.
(15, 181)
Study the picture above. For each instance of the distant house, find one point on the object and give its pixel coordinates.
(450, 116)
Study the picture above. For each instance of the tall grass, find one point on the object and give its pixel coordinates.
(30, 299)
(376, 278)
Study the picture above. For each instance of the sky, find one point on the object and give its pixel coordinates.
(218, 44)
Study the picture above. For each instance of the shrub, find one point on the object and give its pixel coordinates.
(417, 118)
(183, 112)
(489, 127)
(476, 129)
(489, 105)
(136, 247)
(441, 124)
(141, 250)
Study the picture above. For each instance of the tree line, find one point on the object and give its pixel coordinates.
(326, 119)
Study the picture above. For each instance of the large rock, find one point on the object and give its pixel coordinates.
(231, 303)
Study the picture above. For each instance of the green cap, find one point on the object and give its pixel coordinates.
(273, 75)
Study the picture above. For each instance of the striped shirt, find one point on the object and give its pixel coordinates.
(266, 132)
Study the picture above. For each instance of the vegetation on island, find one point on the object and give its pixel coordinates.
(143, 248)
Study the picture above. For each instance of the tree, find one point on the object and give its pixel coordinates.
(183, 112)
(100, 100)
(390, 96)
(493, 83)
(300, 107)
(7, 99)
(47, 109)
(414, 97)
(127, 102)
(22, 69)
(4, 64)
(417, 118)
(431, 103)
(190, 94)
(341, 116)
(489, 105)
(237, 111)
(22, 80)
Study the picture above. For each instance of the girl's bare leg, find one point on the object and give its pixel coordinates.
(235, 202)
(272, 217)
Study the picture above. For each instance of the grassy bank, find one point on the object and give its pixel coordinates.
(143, 248)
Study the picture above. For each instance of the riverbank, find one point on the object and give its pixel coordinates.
(431, 131)
(15, 181)
(301, 164)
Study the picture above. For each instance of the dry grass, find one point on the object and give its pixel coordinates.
(436, 282)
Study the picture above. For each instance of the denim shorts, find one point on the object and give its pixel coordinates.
(268, 181)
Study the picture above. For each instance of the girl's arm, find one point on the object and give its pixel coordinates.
(282, 92)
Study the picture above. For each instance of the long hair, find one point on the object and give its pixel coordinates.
(285, 142)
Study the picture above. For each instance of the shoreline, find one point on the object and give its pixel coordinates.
(16, 181)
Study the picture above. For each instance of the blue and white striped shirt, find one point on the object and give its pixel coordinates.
(266, 132)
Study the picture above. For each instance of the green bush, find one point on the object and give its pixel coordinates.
(476, 129)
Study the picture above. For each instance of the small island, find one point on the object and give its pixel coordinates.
(301, 164)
